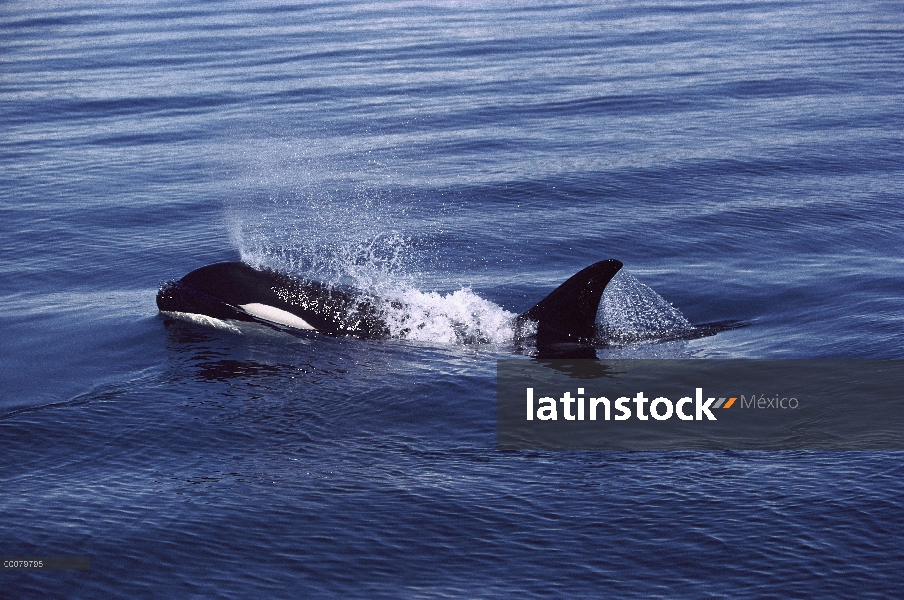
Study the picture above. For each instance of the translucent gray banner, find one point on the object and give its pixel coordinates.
(700, 404)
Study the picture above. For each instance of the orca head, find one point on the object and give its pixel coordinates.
(235, 290)
(219, 291)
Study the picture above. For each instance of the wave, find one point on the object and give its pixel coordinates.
(204, 320)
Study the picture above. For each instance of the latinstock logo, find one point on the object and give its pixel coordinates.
(660, 408)
(601, 408)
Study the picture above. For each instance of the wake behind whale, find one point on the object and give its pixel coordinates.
(566, 322)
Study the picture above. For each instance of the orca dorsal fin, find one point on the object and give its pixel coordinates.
(569, 312)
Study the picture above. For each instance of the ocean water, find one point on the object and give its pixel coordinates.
(744, 160)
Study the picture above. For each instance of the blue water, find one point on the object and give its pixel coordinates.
(744, 160)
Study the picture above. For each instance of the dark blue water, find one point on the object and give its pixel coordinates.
(744, 160)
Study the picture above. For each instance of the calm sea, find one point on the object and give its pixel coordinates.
(745, 160)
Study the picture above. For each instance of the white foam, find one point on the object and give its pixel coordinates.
(460, 317)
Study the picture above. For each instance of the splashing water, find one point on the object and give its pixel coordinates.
(335, 241)
(460, 317)
(315, 208)
(631, 312)
(316, 223)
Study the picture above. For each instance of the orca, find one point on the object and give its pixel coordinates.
(565, 319)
